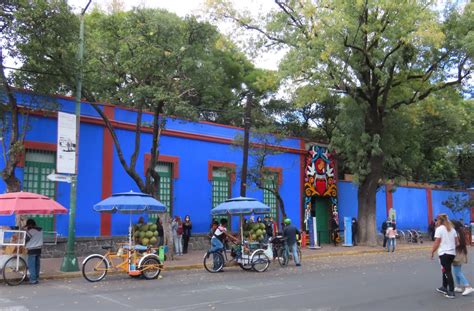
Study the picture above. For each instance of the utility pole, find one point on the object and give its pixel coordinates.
(70, 263)
(245, 160)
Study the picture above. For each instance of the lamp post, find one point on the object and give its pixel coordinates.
(69, 263)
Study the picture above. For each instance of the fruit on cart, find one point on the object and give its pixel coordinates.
(254, 231)
(145, 234)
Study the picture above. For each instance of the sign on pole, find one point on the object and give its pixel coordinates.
(66, 153)
(59, 178)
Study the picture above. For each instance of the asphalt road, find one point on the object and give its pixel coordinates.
(399, 281)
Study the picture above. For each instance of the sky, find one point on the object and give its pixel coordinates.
(196, 7)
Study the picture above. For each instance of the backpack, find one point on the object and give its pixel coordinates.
(179, 231)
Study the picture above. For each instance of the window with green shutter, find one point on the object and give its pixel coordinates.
(269, 198)
(220, 188)
(38, 165)
(165, 191)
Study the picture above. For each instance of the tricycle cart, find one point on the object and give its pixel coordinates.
(135, 260)
(12, 242)
(249, 256)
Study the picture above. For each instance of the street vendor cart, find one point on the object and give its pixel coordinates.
(135, 260)
(12, 242)
(248, 255)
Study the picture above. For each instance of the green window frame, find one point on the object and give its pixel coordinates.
(221, 188)
(165, 188)
(271, 182)
(38, 165)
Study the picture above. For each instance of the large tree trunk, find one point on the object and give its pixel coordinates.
(366, 198)
(13, 153)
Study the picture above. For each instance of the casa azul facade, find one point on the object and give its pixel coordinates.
(199, 167)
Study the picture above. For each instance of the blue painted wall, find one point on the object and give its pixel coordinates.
(411, 208)
(409, 203)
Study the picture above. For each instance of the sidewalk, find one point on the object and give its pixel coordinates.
(50, 267)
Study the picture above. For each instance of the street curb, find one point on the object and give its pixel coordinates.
(361, 252)
(76, 274)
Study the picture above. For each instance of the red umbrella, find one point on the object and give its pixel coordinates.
(27, 203)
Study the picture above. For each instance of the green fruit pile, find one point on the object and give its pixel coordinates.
(145, 234)
(254, 232)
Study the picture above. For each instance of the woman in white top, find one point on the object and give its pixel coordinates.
(445, 243)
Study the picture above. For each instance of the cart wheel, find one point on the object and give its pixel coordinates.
(13, 274)
(260, 261)
(150, 268)
(213, 262)
(246, 267)
(95, 268)
(282, 257)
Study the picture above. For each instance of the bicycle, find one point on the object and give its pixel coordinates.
(139, 261)
(285, 256)
(258, 260)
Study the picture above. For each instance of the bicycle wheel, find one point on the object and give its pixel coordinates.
(14, 274)
(150, 268)
(260, 261)
(95, 268)
(213, 262)
(282, 257)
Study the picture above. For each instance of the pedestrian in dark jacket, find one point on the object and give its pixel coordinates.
(334, 226)
(355, 231)
(187, 226)
(159, 228)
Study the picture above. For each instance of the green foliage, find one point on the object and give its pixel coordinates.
(458, 203)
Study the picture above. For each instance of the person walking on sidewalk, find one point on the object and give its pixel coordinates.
(177, 230)
(385, 226)
(445, 243)
(460, 259)
(290, 233)
(187, 226)
(34, 243)
(391, 235)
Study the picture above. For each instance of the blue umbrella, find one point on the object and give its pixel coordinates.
(130, 203)
(240, 206)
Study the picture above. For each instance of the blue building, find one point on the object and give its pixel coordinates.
(199, 167)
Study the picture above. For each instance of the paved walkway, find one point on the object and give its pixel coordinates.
(50, 267)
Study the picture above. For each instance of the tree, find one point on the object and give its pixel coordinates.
(378, 57)
(149, 60)
(14, 121)
(458, 203)
(258, 173)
